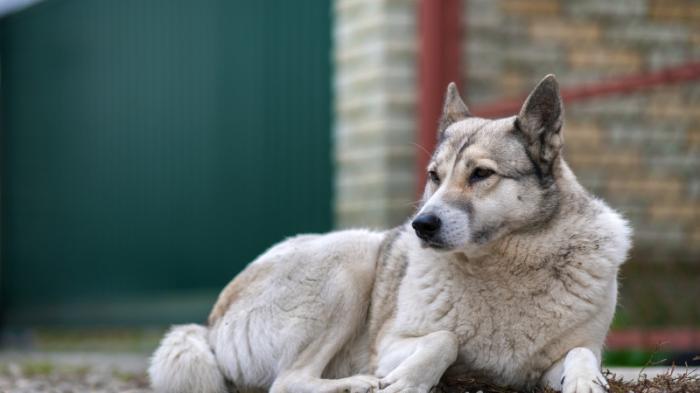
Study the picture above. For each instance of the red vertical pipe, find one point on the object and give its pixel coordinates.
(439, 64)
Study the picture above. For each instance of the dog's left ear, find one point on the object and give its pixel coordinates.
(453, 109)
(540, 120)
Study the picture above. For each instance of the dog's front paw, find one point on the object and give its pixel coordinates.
(403, 385)
(358, 384)
(585, 382)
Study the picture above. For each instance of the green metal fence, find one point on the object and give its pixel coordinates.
(151, 149)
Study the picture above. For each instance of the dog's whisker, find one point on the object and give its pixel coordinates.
(427, 153)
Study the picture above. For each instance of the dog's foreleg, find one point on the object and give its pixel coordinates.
(423, 368)
(578, 372)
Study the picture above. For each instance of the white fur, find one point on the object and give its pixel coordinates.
(184, 363)
(301, 321)
(521, 289)
(303, 325)
(579, 372)
(423, 366)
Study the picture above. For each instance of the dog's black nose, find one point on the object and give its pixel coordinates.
(426, 225)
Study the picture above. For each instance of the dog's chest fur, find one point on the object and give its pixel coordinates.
(502, 320)
(515, 313)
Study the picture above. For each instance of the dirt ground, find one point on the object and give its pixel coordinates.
(73, 372)
(22, 372)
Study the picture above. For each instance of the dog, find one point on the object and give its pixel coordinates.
(508, 271)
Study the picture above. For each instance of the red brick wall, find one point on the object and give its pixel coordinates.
(640, 151)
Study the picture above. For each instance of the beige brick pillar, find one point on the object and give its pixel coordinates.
(375, 63)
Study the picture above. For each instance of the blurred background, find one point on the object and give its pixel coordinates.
(151, 149)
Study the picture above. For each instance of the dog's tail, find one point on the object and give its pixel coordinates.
(185, 363)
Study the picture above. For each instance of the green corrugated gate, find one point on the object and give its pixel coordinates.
(150, 149)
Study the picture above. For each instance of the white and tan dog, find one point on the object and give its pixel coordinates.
(509, 273)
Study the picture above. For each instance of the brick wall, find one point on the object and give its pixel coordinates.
(640, 152)
(375, 123)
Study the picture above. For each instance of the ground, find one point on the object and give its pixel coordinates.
(73, 372)
(25, 372)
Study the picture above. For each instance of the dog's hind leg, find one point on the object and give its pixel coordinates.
(305, 377)
(292, 325)
(303, 374)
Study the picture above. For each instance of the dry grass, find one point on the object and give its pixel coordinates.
(674, 381)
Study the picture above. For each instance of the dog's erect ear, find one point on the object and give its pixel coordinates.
(541, 119)
(453, 110)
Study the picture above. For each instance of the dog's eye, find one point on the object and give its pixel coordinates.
(480, 174)
(434, 177)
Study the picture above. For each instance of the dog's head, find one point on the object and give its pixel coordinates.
(489, 178)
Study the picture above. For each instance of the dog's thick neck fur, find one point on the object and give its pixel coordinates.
(570, 200)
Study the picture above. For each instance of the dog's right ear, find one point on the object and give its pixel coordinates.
(453, 110)
(540, 121)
